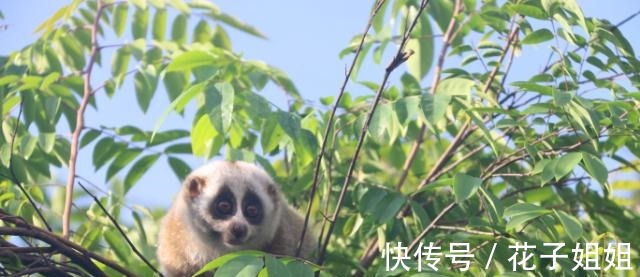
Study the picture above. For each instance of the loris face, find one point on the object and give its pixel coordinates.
(233, 203)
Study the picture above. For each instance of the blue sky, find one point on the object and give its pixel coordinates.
(305, 38)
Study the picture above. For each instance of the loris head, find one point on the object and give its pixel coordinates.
(234, 205)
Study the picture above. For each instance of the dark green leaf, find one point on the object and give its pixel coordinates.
(179, 29)
(275, 267)
(179, 167)
(465, 186)
(219, 103)
(571, 225)
(140, 23)
(595, 167)
(138, 169)
(122, 159)
(566, 164)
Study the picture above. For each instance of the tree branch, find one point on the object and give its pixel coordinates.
(316, 172)
(400, 57)
(75, 137)
(73, 251)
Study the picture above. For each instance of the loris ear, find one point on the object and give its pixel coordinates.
(195, 186)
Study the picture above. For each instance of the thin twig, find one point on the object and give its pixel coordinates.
(463, 229)
(398, 59)
(323, 145)
(371, 250)
(430, 227)
(117, 225)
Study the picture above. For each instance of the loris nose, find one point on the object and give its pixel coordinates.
(239, 230)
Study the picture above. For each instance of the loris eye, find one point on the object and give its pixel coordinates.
(224, 207)
(252, 211)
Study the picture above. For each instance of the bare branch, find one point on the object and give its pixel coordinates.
(316, 172)
(399, 57)
(75, 137)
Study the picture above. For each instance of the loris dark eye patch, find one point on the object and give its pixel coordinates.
(224, 204)
(252, 208)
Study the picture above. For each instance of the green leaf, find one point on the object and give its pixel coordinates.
(46, 141)
(73, 52)
(63, 13)
(271, 134)
(538, 36)
(120, 63)
(290, 123)
(180, 5)
(175, 83)
(167, 136)
(566, 164)
(178, 104)
(103, 152)
(202, 32)
(389, 206)
(222, 260)
(548, 172)
(179, 167)
(179, 29)
(533, 86)
(465, 186)
(572, 225)
(221, 38)
(520, 209)
(494, 207)
(420, 62)
(243, 266)
(562, 98)
(521, 213)
(140, 23)
(119, 20)
(383, 127)
(299, 269)
(434, 107)
(595, 167)
(275, 267)
(573, 7)
(204, 137)
(529, 10)
(216, 14)
(140, 227)
(406, 109)
(138, 169)
(145, 83)
(190, 60)
(371, 199)
(219, 103)
(455, 86)
(117, 244)
(159, 24)
(122, 159)
(50, 79)
(142, 4)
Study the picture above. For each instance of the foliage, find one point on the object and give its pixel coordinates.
(490, 150)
